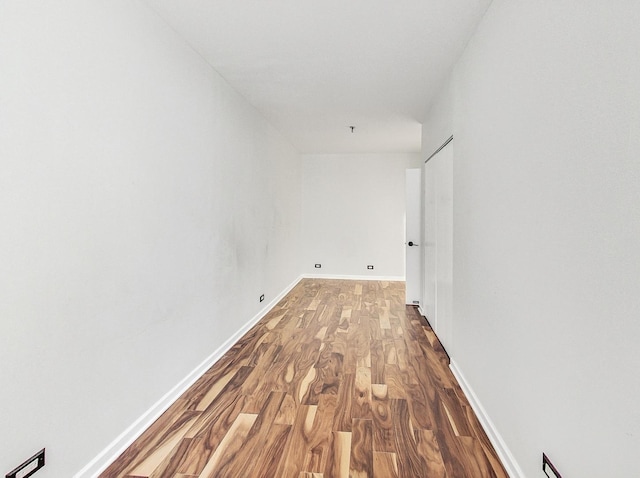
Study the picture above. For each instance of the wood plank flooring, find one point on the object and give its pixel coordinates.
(340, 379)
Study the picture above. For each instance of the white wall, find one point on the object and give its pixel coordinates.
(546, 124)
(438, 125)
(353, 213)
(144, 207)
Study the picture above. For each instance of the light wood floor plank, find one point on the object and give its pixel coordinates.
(385, 464)
(339, 455)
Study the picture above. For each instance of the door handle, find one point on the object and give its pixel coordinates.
(411, 243)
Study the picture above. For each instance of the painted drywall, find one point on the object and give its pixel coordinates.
(353, 209)
(144, 206)
(546, 125)
(438, 124)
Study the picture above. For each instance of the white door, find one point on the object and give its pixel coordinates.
(429, 241)
(444, 240)
(413, 258)
(438, 245)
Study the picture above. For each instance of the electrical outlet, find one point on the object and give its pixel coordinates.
(29, 467)
(548, 467)
(370, 268)
(318, 266)
(261, 297)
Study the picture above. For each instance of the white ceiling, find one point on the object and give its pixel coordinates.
(315, 67)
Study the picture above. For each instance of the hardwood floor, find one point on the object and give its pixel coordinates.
(340, 379)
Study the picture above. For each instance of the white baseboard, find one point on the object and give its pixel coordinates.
(127, 437)
(349, 277)
(505, 455)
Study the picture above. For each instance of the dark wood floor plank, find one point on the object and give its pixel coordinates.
(296, 448)
(455, 412)
(429, 449)
(265, 463)
(319, 443)
(479, 433)
(420, 405)
(332, 372)
(212, 425)
(377, 361)
(383, 434)
(464, 458)
(410, 462)
(340, 379)
(231, 444)
(361, 465)
(342, 420)
(287, 412)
